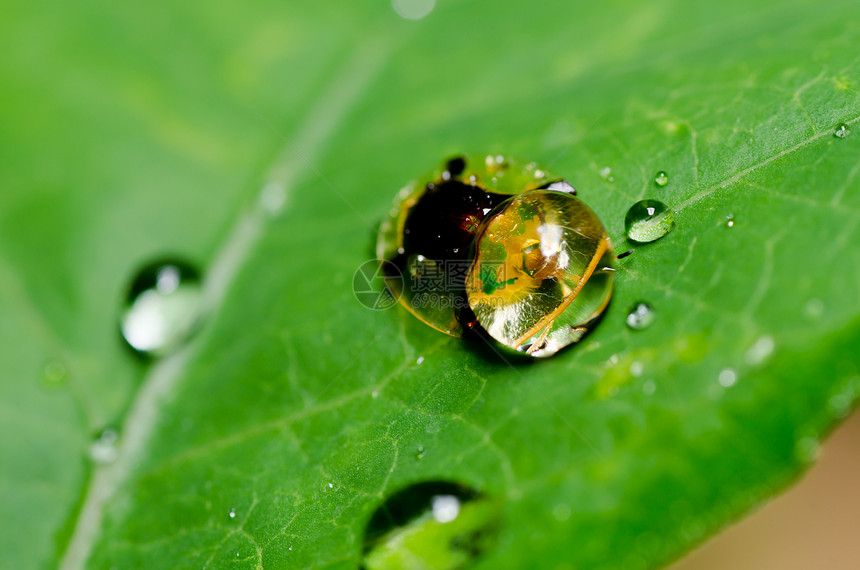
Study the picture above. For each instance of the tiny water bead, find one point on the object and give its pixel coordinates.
(162, 307)
(730, 221)
(640, 316)
(661, 178)
(606, 174)
(54, 373)
(842, 131)
(103, 448)
(727, 377)
(432, 525)
(648, 220)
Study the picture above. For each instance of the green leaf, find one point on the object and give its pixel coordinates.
(130, 132)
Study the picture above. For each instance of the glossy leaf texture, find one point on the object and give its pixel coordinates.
(265, 142)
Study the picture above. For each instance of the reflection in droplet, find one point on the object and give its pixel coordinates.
(648, 220)
(640, 316)
(842, 131)
(437, 525)
(661, 178)
(162, 307)
(103, 448)
(413, 9)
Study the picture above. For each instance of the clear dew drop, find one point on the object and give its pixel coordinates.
(232, 513)
(606, 174)
(162, 307)
(103, 449)
(842, 131)
(640, 316)
(661, 178)
(419, 452)
(814, 308)
(648, 220)
(760, 350)
(561, 512)
(435, 524)
(730, 221)
(806, 449)
(54, 373)
(413, 9)
(727, 377)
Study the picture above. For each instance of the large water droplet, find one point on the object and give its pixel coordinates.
(103, 448)
(162, 307)
(648, 220)
(640, 316)
(842, 131)
(438, 525)
(661, 178)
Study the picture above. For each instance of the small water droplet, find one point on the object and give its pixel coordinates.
(814, 307)
(561, 512)
(419, 453)
(661, 178)
(640, 316)
(727, 377)
(420, 360)
(162, 307)
(806, 449)
(841, 131)
(103, 449)
(413, 9)
(840, 405)
(272, 197)
(232, 513)
(760, 350)
(730, 220)
(331, 485)
(374, 394)
(430, 525)
(648, 220)
(606, 174)
(54, 373)
(636, 368)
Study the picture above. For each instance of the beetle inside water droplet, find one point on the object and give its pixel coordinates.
(498, 248)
